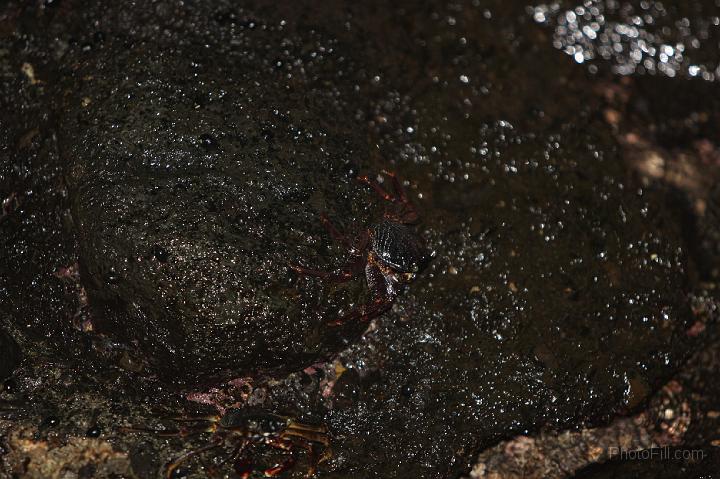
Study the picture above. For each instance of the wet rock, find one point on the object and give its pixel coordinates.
(549, 303)
(658, 463)
(79, 457)
(197, 174)
(9, 354)
(681, 417)
(557, 298)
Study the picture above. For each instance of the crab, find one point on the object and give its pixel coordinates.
(243, 428)
(390, 252)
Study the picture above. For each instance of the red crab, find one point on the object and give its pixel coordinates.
(242, 428)
(390, 252)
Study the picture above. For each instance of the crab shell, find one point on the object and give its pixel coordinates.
(399, 247)
(254, 423)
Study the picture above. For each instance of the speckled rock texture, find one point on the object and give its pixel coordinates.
(170, 161)
(197, 172)
(9, 355)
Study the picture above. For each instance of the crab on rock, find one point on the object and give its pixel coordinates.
(390, 252)
(241, 428)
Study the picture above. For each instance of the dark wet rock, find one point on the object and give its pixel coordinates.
(557, 297)
(9, 355)
(143, 459)
(677, 427)
(197, 173)
(538, 309)
(660, 463)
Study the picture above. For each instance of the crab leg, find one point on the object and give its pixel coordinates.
(409, 214)
(287, 463)
(306, 427)
(366, 312)
(383, 292)
(313, 459)
(319, 437)
(239, 449)
(279, 443)
(176, 463)
(351, 269)
(376, 186)
(211, 418)
(334, 233)
(244, 467)
(340, 276)
(183, 432)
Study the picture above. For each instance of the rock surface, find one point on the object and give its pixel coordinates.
(9, 355)
(198, 169)
(557, 299)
